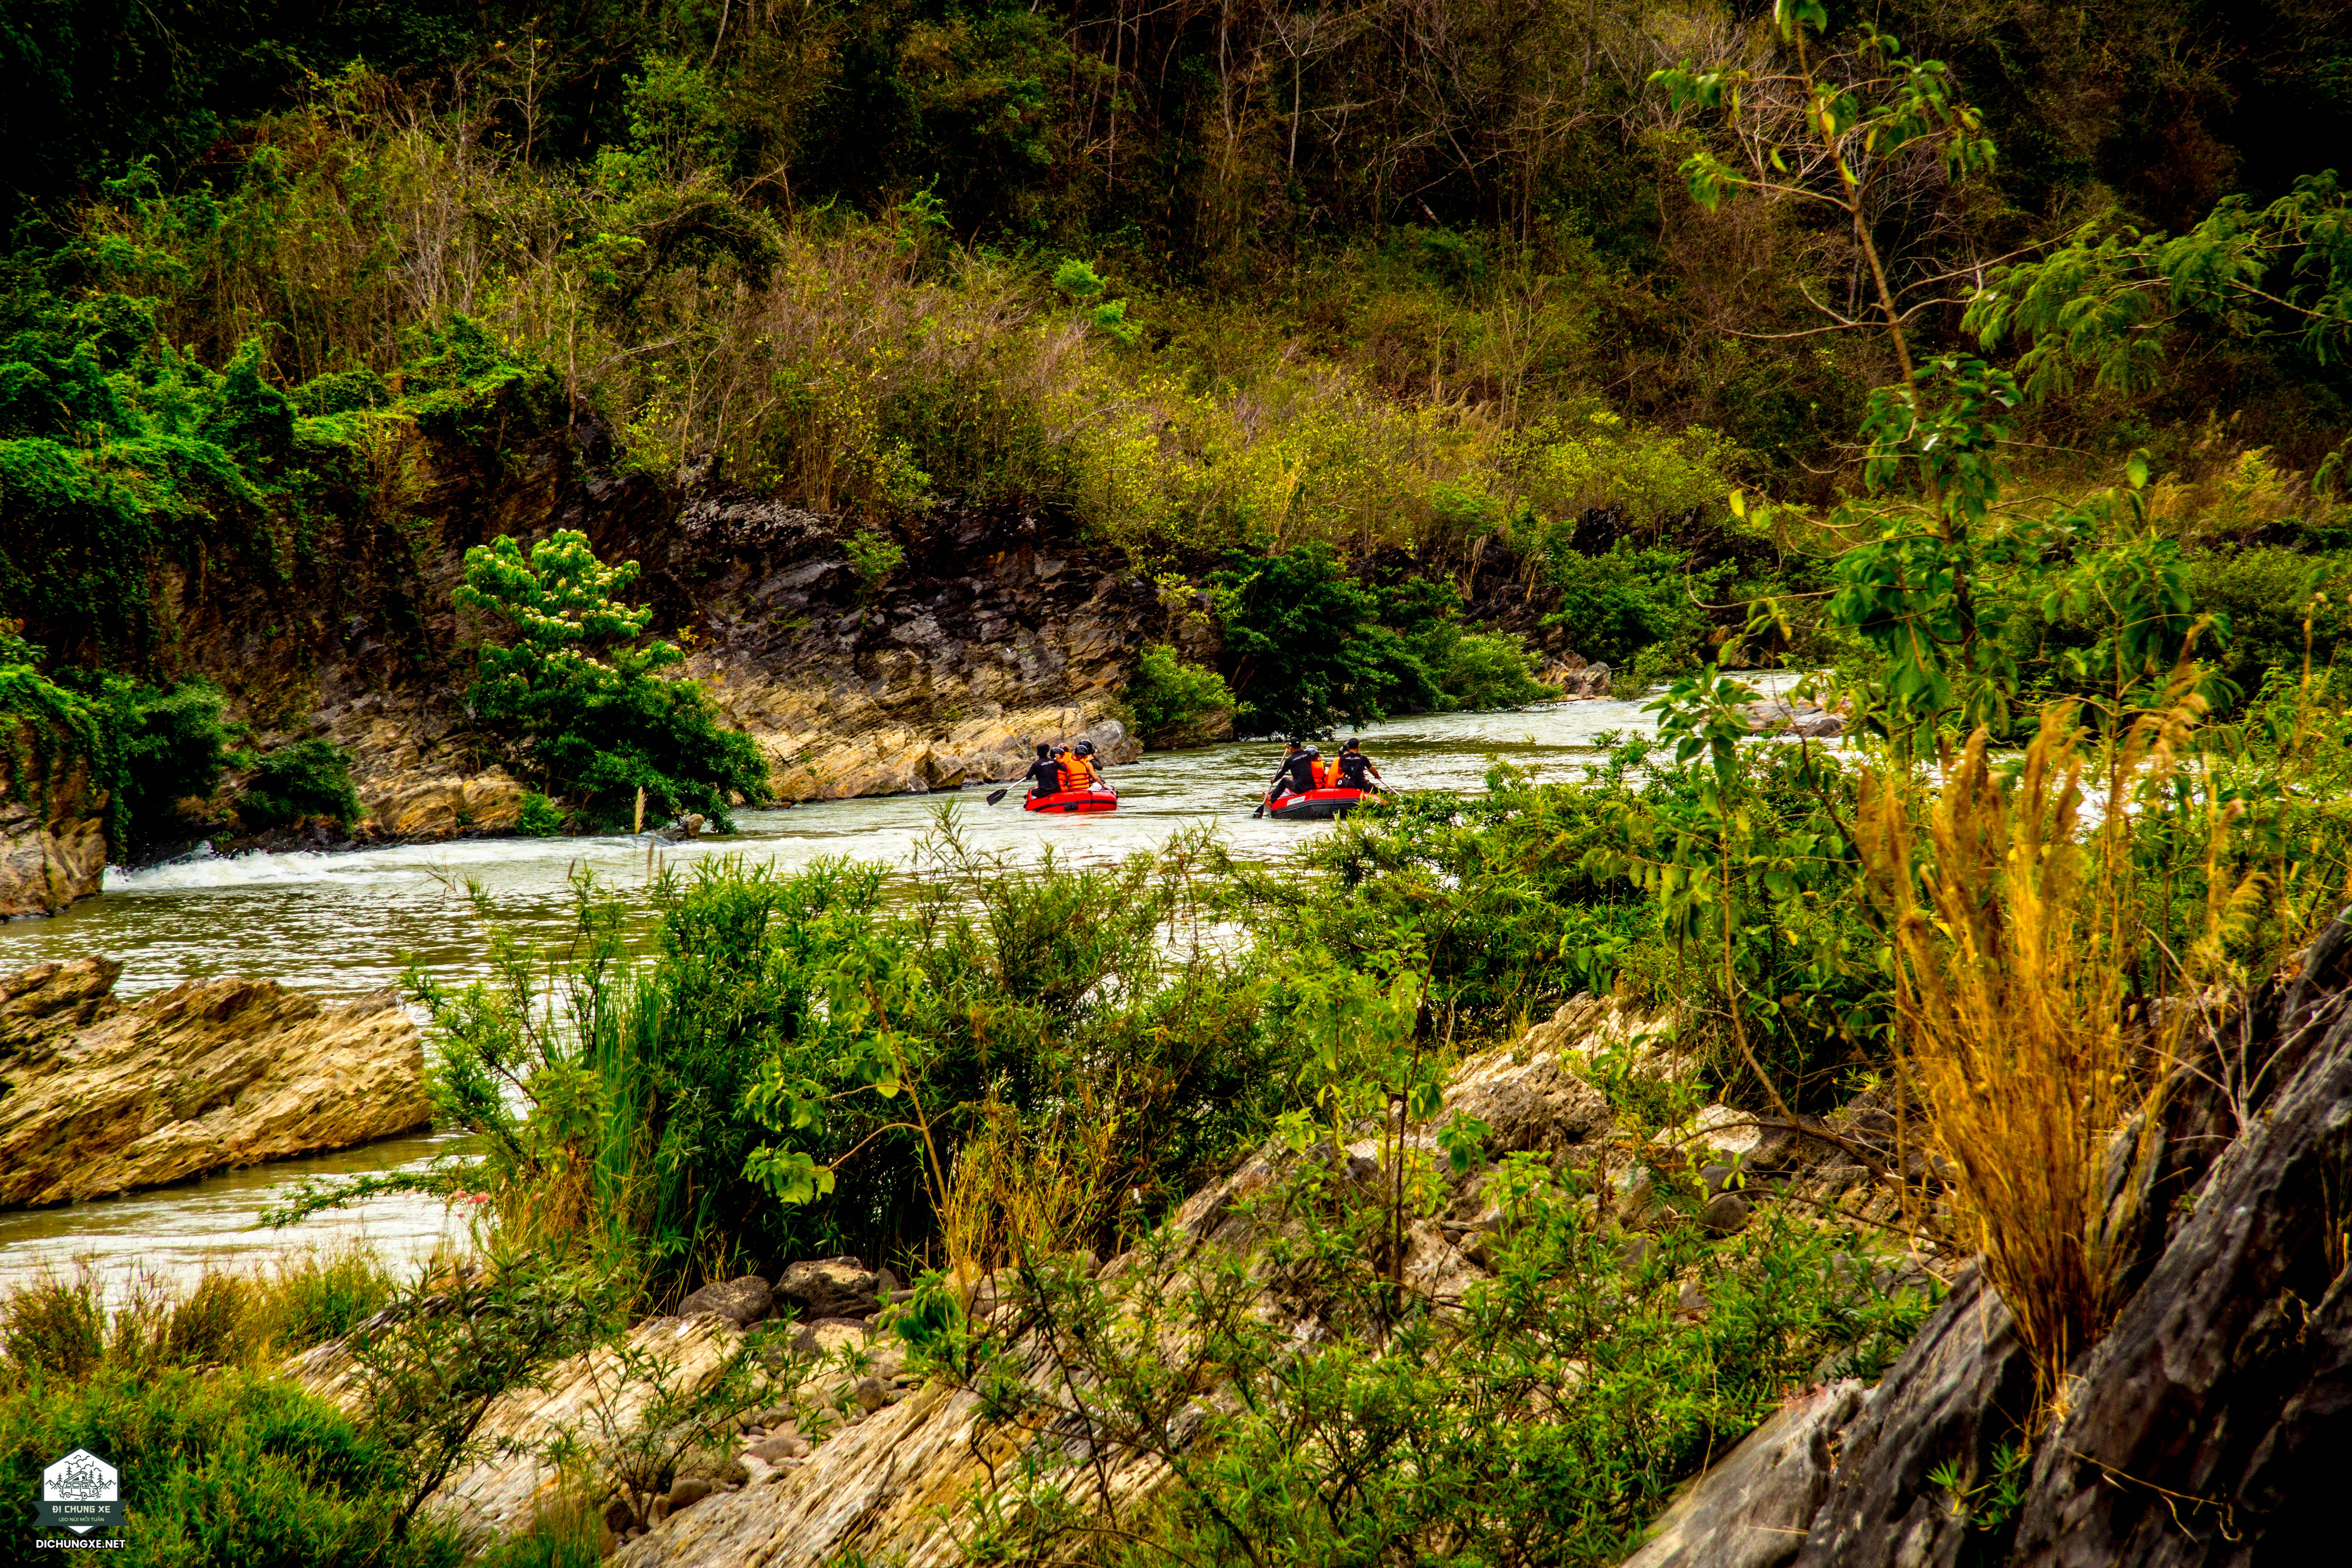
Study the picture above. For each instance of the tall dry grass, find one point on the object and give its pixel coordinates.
(2015, 918)
(1035, 1193)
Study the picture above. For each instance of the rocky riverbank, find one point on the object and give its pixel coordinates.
(997, 630)
(2204, 1427)
(97, 1098)
(52, 835)
(2204, 1421)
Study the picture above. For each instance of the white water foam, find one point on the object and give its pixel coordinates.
(404, 862)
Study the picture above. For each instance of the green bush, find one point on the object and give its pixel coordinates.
(540, 818)
(1485, 670)
(1168, 697)
(226, 1468)
(1543, 1417)
(576, 693)
(172, 746)
(1312, 647)
(746, 1060)
(2263, 596)
(309, 778)
(1627, 601)
(874, 557)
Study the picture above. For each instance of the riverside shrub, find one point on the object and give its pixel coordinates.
(309, 778)
(576, 693)
(222, 1462)
(172, 746)
(1167, 695)
(1541, 1420)
(794, 1036)
(226, 1468)
(1312, 647)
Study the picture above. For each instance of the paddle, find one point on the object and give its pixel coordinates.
(1000, 794)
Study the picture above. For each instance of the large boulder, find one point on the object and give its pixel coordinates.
(97, 1099)
(830, 1288)
(742, 1301)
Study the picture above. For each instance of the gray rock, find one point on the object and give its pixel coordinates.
(784, 1446)
(1750, 1510)
(826, 1335)
(689, 1490)
(741, 1302)
(1717, 1178)
(1634, 1256)
(870, 1395)
(1726, 1214)
(1693, 1302)
(1787, 716)
(720, 1469)
(1632, 1198)
(829, 1288)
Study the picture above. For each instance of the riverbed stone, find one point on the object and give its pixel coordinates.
(208, 1075)
(1726, 1214)
(829, 1288)
(742, 1301)
(826, 1335)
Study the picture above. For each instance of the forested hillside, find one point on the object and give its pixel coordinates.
(1295, 312)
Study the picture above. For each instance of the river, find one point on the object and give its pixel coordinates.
(340, 925)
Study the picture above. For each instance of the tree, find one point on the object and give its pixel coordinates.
(576, 685)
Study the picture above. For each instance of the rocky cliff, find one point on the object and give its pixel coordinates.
(52, 835)
(97, 1097)
(998, 629)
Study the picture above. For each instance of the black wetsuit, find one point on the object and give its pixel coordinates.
(1355, 771)
(1046, 776)
(1298, 775)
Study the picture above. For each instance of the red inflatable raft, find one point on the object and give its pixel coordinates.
(1102, 797)
(1318, 805)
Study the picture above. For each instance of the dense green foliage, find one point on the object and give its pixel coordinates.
(576, 693)
(220, 1463)
(1542, 1421)
(792, 1036)
(1167, 696)
(1252, 283)
(174, 745)
(305, 779)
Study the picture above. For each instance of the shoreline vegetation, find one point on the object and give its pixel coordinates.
(1520, 1154)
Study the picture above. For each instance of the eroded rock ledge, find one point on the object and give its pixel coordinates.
(99, 1098)
(52, 836)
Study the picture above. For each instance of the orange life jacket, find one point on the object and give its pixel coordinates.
(1077, 773)
(1322, 773)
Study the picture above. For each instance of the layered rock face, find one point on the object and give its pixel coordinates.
(52, 836)
(2206, 1429)
(102, 1099)
(997, 632)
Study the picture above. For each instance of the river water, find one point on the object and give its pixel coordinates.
(340, 925)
